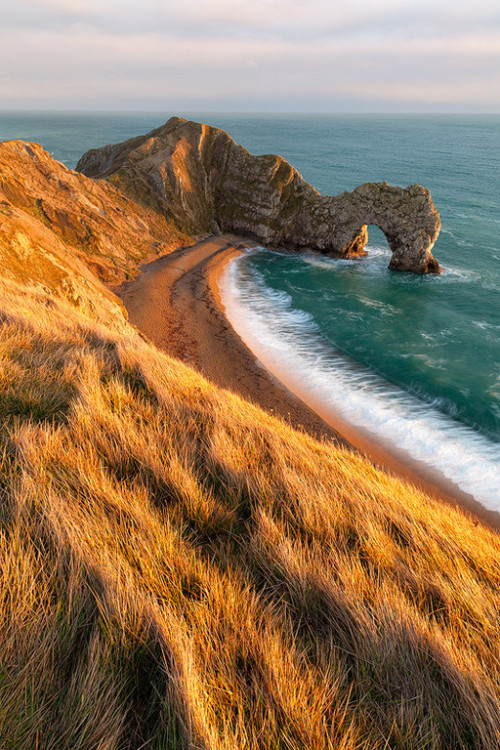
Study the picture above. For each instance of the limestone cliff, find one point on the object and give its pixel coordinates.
(59, 230)
(107, 230)
(202, 181)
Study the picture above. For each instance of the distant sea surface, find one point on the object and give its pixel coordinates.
(413, 359)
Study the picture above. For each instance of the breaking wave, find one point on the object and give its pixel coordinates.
(289, 343)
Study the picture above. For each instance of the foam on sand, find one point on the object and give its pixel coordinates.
(288, 343)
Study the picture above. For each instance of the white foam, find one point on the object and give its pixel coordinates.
(287, 341)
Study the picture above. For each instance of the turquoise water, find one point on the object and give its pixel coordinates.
(422, 346)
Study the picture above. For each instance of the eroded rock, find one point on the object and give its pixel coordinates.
(61, 232)
(110, 233)
(199, 178)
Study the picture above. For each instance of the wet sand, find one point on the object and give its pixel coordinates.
(175, 302)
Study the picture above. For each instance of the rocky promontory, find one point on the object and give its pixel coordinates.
(204, 182)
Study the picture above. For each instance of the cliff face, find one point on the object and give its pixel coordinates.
(110, 233)
(202, 181)
(60, 230)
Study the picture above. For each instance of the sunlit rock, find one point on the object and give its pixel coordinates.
(202, 180)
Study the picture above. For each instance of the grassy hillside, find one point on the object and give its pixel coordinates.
(180, 570)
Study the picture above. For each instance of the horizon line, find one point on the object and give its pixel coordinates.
(242, 112)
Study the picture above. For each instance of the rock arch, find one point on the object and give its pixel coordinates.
(199, 177)
(406, 216)
(338, 225)
(408, 219)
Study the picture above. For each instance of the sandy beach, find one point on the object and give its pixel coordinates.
(175, 302)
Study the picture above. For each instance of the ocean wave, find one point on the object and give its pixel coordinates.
(485, 325)
(376, 262)
(384, 307)
(455, 274)
(287, 341)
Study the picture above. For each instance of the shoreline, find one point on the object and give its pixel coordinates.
(176, 302)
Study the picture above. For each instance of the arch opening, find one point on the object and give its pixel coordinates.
(376, 238)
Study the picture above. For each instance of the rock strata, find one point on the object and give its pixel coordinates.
(109, 232)
(203, 182)
(61, 232)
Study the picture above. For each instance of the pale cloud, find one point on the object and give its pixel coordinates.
(69, 7)
(277, 17)
(271, 53)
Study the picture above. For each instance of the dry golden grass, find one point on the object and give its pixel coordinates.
(180, 570)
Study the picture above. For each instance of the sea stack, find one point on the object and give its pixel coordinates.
(199, 178)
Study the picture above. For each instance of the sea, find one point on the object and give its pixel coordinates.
(414, 361)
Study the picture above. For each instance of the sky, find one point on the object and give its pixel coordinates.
(256, 55)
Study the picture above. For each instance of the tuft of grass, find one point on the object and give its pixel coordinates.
(180, 570)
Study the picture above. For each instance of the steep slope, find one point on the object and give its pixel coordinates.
(97, 224)
(181, 570)
(198, 177)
